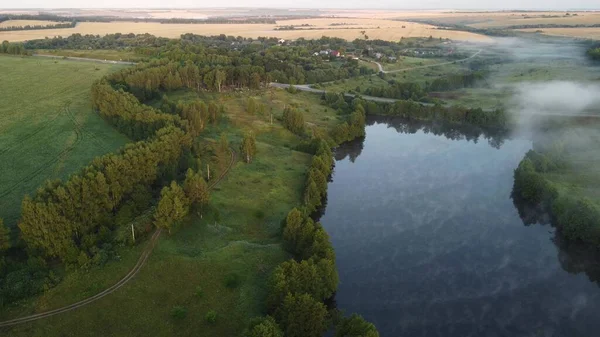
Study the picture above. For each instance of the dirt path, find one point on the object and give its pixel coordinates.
(132, 273)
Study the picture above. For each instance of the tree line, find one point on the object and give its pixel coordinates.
(70, 219)
(497, 118)
(38, 27)
(577, 217)
(103, 18)
(243, 62)
(418, 92)
(298, 288)
(13, 48)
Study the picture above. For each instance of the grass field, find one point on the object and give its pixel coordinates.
(584, 33)
(47, 127)
(420, 75)
(375, 29)
(101, 54)
(237, 239)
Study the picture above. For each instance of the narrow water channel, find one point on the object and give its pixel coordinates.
(429, 243)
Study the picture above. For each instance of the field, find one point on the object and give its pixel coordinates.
(584, 33)
(375, 29)
(236, 239)
(101, 54)
(536, 19)
(47, 127)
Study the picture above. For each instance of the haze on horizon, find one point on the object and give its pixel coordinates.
(337, 4)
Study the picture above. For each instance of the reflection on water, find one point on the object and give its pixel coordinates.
(574, 257)
(429, 243)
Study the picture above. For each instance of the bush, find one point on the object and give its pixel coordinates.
(211, 317)
(199, 292)
(178, 312)
(232, 280)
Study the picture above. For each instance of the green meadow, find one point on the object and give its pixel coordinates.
(48, 128)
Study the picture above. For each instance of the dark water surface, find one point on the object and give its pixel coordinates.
(429, 243)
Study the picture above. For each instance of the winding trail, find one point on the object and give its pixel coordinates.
(132, 273)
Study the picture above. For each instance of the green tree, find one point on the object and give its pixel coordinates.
(355, 326)
(264, 327)
(312, 195)
(220, 77)
(298, 232)
(172, 207)
(248, 147)
(4, 237)
(196, 189)
(302, 316)
(318, 278)
(293, 120)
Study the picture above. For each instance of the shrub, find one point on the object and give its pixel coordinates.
(211, 317)
(232, 280)
(178, 312)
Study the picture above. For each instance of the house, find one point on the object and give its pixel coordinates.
(316, 54)
(335, 53)
(378, 55)
(325, 52)
(392, 58)
(281, 41)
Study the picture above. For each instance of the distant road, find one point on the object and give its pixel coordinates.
(381, 70)
(85, 59)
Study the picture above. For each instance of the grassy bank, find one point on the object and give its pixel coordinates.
(48, 129)
(218, 262)
(561, 178)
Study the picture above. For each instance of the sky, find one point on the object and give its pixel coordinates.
(380, 4)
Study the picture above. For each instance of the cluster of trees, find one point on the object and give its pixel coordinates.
(13, 48)
(299, 287)
(35, 27)
(123, 110)
(70, 220)
(88, 41)
(293, 120)
(594, 53)
(497, 118)
(577, 217)
(100, 18)
(222, 60)
(352, 128)
(418, 92)
(175, 201)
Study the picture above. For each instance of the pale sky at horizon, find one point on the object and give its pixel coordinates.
(381, 4)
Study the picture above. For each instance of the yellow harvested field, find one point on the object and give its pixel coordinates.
(11, 23)
(584, 33)
(375, 29)
(518, 19)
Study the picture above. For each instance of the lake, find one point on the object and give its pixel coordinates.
(428, 241)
